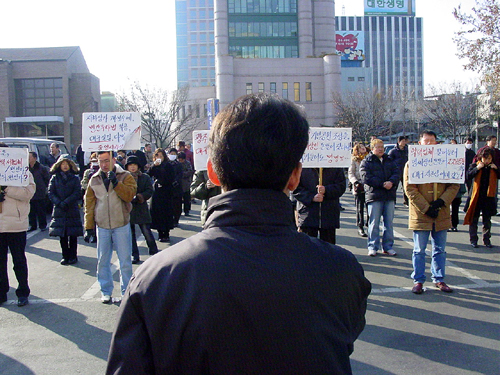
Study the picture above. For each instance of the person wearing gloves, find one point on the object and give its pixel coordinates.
(140, 211)
(107, 207)
(64, 193)
(14, 210)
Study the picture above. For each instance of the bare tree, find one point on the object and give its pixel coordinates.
(479, 42)
(452, 111)
(164, 115)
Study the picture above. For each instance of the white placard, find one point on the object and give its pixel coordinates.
(106, 131)
(328, 148)
(436, 163)
(14, 166)
(200, 149)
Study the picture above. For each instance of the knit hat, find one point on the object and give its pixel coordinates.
(132, 159)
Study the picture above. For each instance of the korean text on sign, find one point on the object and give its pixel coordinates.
(106, 131)
(436, 163)
(200, 149)
(14, 167)
(328, 148)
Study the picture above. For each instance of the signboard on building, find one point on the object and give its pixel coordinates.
(328, 148)
(14, 167)
(350, 45)
(111, 131)
(436, 163)
(389, 7)
(212, 110)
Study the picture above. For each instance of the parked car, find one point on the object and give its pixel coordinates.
(40, 145)
(388, 147)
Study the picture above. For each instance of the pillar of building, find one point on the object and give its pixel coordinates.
(305, 25)
(331, 66)
(324, 27)
(224, 71)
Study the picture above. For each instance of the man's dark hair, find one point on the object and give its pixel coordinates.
(257, 141)
(181, 143)
(181, 155)
(490, 137)
(55, 144)
(469, 139)
(111, 153)
(34, 154)
(402, 138)
(147, 144)
(173, 150)
(428, 132)
(485, 152)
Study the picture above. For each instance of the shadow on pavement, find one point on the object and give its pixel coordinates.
(10, 366)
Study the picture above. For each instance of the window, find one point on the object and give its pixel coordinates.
(261, 86)
(350, 79)
(308, 92)
(361, 79)
(249, 88)
(284, 90)
(39, 97)
(296, 91)
(272, 87)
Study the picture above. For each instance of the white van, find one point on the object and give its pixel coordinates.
(39, 145)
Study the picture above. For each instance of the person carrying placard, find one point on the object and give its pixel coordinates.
(429, 216)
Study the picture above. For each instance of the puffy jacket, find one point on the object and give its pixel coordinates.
(41, 177)
(16, 207)
(199, 190)
(140, 211)
(420, 197)
(373, 175)
(109, 209)
(400, 157)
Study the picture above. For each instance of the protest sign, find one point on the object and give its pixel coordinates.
(436, 163)
(111, 131)
(14, 166)
(200, 149)
(328, 148)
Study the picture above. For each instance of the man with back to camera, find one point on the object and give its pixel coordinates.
(249, 294)
(429, 217)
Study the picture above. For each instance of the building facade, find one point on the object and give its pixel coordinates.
(281, 46)
(44, 91)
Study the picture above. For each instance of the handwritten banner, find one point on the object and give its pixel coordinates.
(14, 167)
(200, 149)
(436, 163)
(328, 148)
(111, 131)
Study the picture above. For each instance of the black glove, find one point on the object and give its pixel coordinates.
(2, 196)
(63, 206)
(432, 212)
(437, 204)
(112, 178)
(89, 236)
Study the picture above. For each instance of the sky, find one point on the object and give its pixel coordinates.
(126, 41)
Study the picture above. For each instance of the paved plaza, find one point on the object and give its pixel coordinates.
(67, 330)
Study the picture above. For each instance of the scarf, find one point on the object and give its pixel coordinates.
(492, 189)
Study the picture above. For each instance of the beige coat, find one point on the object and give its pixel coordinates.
(16, 207)
(420, 196)
(109, 209)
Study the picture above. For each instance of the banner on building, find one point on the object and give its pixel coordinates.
(350, 45)
(389, 7)
(14, 166)
(200, 149)
(436, 163)
(212, 111)
(328, 148)
(111, 131)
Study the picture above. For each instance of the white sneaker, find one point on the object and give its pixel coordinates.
(391, 253)
(372, 253)
(105, 299)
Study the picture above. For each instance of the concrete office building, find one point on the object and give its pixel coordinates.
(392, 50)
(44, 91)
(281, 46)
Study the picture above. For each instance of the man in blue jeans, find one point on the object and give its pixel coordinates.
(107, 206)
(429, 217)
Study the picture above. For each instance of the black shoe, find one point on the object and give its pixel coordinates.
(43, 229)
(135, 261)
(342, 208)
(165, 239)
(488, 245)
(362, 232)
(153, 252)
(22, 301)
(72, 261)
(3, 299)
(31, 229)
(64, 262)
(186, 214)
(474, 245)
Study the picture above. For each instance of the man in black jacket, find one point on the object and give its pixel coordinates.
(38, 203)
(399, 155)
(249, 294)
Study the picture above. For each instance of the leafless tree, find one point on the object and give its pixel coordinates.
(164, 115)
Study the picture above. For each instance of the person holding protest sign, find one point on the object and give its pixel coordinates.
(64, 193)
(107, 207)
(247, 295)
(484, 175)
(380, 176)
(358, 154)
(162, 211)
(14, 209)
(429, 216)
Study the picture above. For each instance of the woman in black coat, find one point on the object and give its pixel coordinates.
(162, 212)
(64, 193)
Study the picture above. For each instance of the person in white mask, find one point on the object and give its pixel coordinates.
(469, 156)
